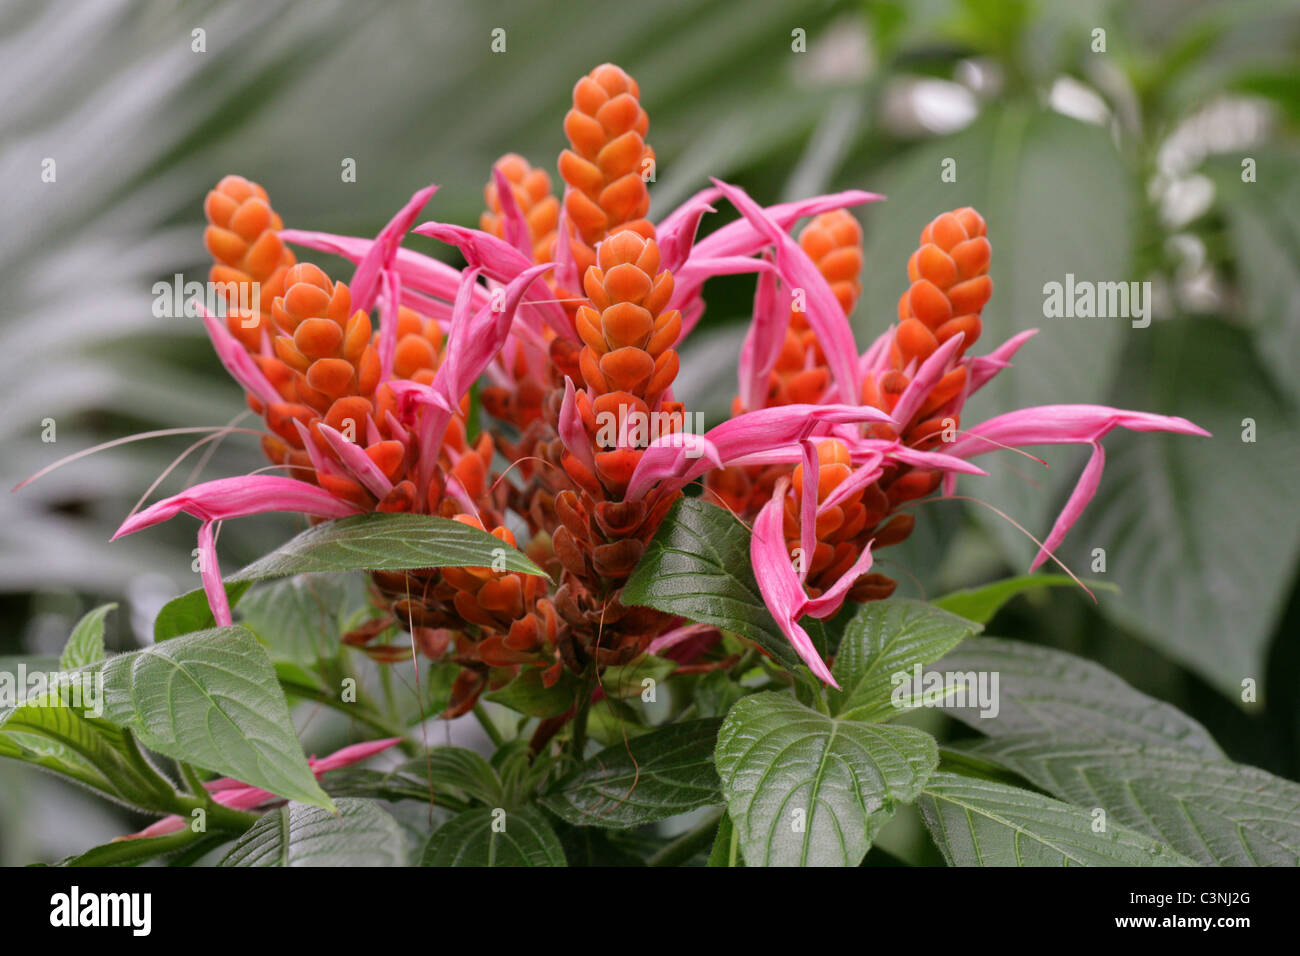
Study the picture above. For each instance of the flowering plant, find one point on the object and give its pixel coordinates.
(503, 494)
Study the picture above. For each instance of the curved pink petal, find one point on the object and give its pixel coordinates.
(237, 361)
(359, 463)
(516, 226)
(365, 280)
(823, 312)
(777, 583)
(236, 497)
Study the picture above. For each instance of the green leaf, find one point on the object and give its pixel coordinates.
(458, 769)
(302, 618)
(806, 789)
(212, 699)
(528, 695)
(1210, 810)
(86, 645)
(1048, 692)
(132, 852)
(626, 680)
(1266, 252)
(980, 604)
(189, 612)
(1173, 510)
(387, 542)
(885, 638)
(89, 749)
(983, 823)
(359, 834)
(697, 566)
(490, 836)
(1043, 182)
(655, 776)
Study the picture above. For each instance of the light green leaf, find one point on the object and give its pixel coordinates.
(212, 699)
(71, 741)
(805, 789)
(655, 776)
(885, 638)
(983, 823)
(981, 603)
(490, 836)
(86, 645)
(302, 618)
(528, 695)
(697, 565)
(359, 834)
(189, 612)
(387, 542)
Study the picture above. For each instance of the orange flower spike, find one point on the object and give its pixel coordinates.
(609, 162)
(950, 286)
(531, 187)
(242, 238)
(328, 345)
(627, 336)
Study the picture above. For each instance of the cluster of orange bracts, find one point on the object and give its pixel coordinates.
(336, 400)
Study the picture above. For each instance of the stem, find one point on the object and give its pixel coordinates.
(489, 727)
(584, 708)
(688, 844)
(356, 711)
(193, 781)
(223, 818)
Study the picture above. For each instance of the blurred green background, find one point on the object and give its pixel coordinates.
(1117, 165)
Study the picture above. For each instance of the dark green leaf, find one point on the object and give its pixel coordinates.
(190, 612)
(655, 776)
(805, 789)
(1048, 692)
(359, 834)
(697, 565)
(983, 823)
(1174, 510)
(1211, 810)
(491, 836)
(387, 542)
(459, 769)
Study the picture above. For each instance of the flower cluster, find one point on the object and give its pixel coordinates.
(567, 316)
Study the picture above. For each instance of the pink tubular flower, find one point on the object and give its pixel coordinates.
(919, 373)
(237, 795)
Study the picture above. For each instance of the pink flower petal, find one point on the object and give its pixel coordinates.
(824, 313)
(365, 281)
(778, 584)
(236, 497)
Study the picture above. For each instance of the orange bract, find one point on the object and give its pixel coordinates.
(241, 237)
(531, 188)
(607, 168)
